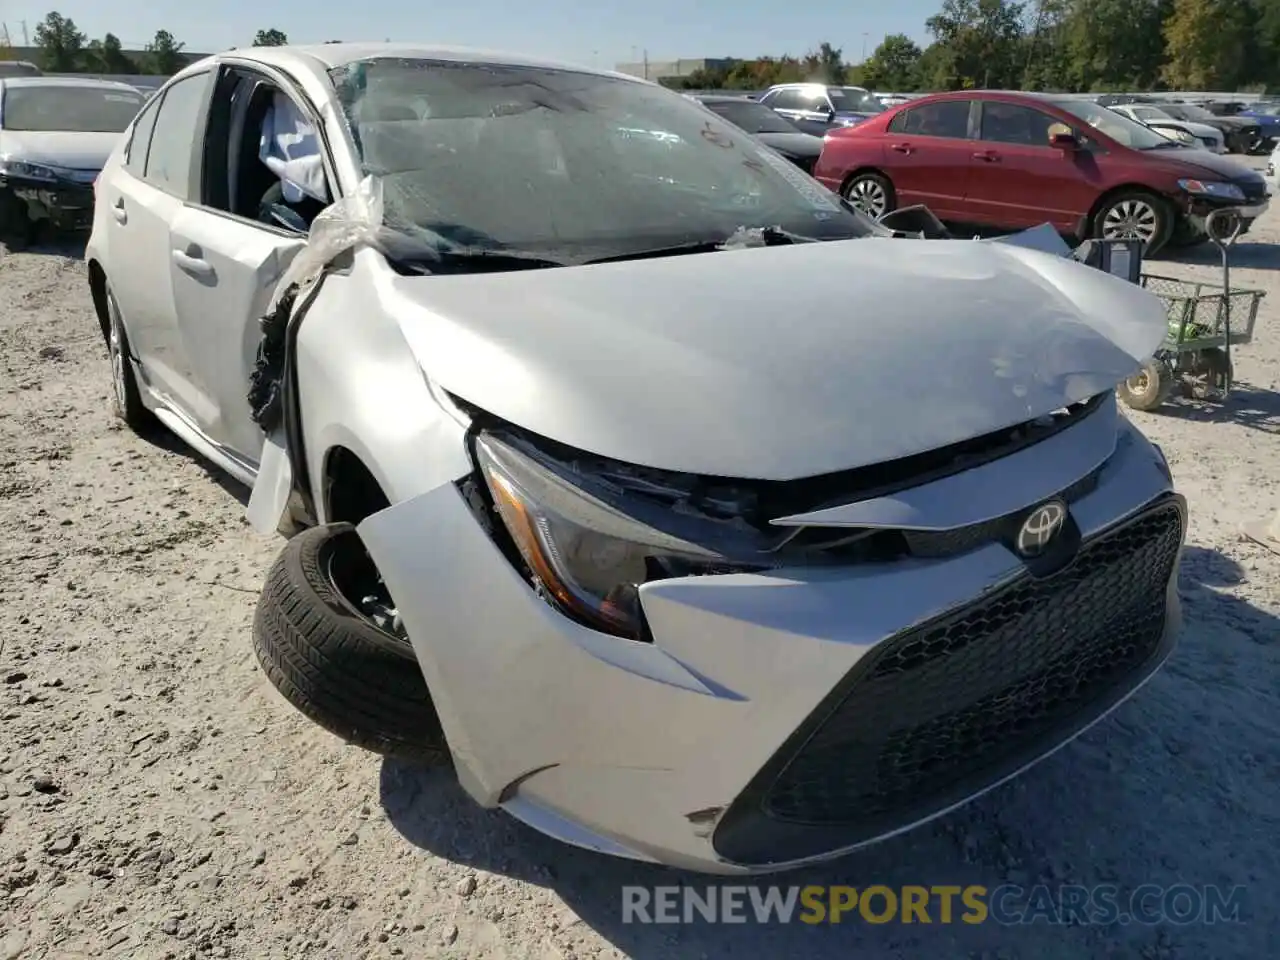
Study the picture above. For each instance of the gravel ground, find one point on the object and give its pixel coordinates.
(158, 799)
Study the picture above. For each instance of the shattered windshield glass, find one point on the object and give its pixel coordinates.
(566, 165)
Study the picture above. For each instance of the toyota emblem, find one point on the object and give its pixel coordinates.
(1040, 527)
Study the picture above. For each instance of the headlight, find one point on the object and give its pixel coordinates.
(1219, 191)
(32, 171)
(1180, 135)
(582, 549)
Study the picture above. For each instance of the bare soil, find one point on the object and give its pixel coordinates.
(158, 799)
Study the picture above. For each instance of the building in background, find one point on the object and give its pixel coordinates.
(659, 70)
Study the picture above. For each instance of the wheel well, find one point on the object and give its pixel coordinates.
(98, 291)
(351, 493)
(844, 184)
(1124, 188)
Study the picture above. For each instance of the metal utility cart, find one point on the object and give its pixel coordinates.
(1206, 320)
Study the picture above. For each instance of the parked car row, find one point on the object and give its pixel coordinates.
(1241, 133)
(1016, 160)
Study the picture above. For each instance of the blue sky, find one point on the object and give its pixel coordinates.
(569, 29)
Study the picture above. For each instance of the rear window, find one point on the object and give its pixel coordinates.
(68, 109)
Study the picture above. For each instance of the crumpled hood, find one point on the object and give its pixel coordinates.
(74, 151)
(780, 362)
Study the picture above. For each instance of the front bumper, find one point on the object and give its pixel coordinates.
(732, 744)
(68, 204)
(1198, 209)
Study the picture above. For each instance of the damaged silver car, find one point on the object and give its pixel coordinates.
(690, 515)
(55, 135)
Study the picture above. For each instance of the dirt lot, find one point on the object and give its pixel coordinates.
(158, 799)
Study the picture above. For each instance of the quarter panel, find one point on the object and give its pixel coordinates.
(360, 386)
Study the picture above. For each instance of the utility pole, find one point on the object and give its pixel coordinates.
(864, 47)
(26, 41)
(646, 63)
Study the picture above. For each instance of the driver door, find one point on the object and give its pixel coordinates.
(1018, 180)
(225, 263)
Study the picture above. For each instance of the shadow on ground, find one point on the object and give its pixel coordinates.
(1145, 797)
(160, 438)
(1246, 405)
(58, 245)
(1246, 254)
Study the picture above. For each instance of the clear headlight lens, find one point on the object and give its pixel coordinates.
(581, 547)
(1207, 188)
(33, 171)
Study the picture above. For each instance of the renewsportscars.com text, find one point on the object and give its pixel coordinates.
(940, 904)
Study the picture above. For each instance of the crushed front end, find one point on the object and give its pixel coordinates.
(742, 677)
(61, 196)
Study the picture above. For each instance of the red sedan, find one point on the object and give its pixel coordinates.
(1016, 160)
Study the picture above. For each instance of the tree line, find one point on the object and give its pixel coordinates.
(64, 48)
(1064, 45)
(1073, 46)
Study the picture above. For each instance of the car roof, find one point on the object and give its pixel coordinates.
(321, 57)
(810, 85)
(726, 98)
(66, 82)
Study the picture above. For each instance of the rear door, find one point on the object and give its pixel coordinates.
(1019, 180)
(927, 154)
(224, 262)
(143, 197)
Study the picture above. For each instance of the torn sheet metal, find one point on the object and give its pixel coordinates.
(1043, 238)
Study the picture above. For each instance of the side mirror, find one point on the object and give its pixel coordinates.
(826, 112)
(1064, 141)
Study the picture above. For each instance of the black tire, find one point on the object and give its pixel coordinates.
(1185, 236)
(17, 229)
(126, 400)
(333, 663)
(1160, 211)
(872, 184)
(1148, 388)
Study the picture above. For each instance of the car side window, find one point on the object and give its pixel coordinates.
(176, 137)
(949, 119)
(264, 158)
(135, 154)
(1014, 124)
(787, 100)
(816, 101)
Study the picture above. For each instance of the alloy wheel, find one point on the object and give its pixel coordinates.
(1131, 220)
(115, 347)
(868, 196)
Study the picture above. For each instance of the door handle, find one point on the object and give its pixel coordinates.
(193, 265)
(988, 157)
(901, 147)
(118, 211)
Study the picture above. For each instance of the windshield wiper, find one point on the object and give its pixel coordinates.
(768, 236)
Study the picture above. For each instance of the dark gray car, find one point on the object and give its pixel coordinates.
(770, 128)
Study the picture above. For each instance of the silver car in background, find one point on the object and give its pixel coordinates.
(692, 516)
(55, 135)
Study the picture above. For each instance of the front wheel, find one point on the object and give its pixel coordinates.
(337, 653)
(1135, 215)
(872, 193)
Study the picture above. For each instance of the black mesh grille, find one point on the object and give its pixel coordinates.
(955, 700)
